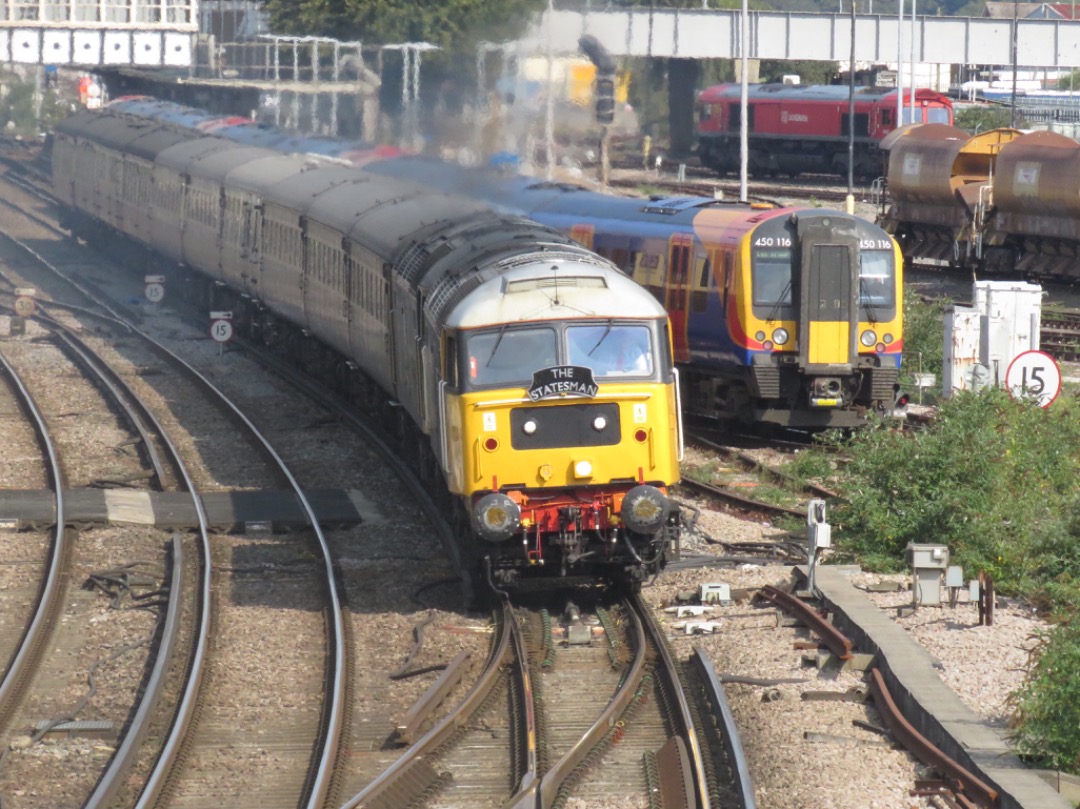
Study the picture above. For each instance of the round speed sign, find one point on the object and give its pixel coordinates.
(1034, 375)
(155, 293)
(24, 306)
(221, 331)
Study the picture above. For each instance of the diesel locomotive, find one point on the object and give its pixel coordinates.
(804, 128)
(531, 377)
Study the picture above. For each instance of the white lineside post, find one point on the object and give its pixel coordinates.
(818, 537)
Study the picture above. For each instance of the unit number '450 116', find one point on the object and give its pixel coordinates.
(772, 241)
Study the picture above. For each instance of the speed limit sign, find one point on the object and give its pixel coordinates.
(221, 331)
(24, 306)
(1034, 375)
(155, 293)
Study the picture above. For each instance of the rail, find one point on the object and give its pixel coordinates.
(918, 745)
(387, 789)
(33, 641)
(717, 698)
(833, 639)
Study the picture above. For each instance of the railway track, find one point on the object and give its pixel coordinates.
(308, 774)
(585, 684)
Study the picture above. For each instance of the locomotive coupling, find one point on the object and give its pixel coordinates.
(645, 509)
(496, 517)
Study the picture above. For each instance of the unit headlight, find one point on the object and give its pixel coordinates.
(599, 423)
(645, 509)
(529, 427)
(582, 469)
(496, 517)
(868, 338)
(780, 336)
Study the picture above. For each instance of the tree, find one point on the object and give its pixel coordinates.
(455, 26)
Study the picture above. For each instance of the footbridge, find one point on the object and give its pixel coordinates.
(149, 33)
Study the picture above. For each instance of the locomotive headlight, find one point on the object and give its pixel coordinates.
(599, 423)
(887, 339)
(496, 517)
(780, 336)
(582, 469)
(645, 509)
(529, 427)
(868, 338)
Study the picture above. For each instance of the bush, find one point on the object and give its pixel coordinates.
(992, 478)
(1047, 727)
(17, 113)
(924, 344)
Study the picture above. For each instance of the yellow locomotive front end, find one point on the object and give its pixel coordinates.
(563, 440)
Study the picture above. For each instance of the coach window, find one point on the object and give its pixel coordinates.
(506, 356)
(705, 281)
(886, 117)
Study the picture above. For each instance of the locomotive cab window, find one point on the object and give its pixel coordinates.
(877, 284)
(772, 279)
(508, 356)
(611, 349)
(938, 115)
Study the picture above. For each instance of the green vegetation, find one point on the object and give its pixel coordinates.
(982, 119)
(995, 480)
(992, 478)
(1049, 730)
(923, 344)
(17, 108)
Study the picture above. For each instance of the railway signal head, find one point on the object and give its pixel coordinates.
(605, 98)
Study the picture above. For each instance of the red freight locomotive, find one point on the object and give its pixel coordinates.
(802, 128)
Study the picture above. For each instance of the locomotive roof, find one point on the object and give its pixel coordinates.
(806, 92)
(528, 293)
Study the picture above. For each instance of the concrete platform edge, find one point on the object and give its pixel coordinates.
(927, 703)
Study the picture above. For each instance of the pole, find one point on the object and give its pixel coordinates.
(605, 158)
(911, 63)
(851, 120)
(899, 62)
(1016, 12)
(549, 117)
(744, 106)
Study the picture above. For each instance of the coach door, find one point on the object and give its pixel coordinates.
(677, 292)
(583, 235)
(827, 294)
